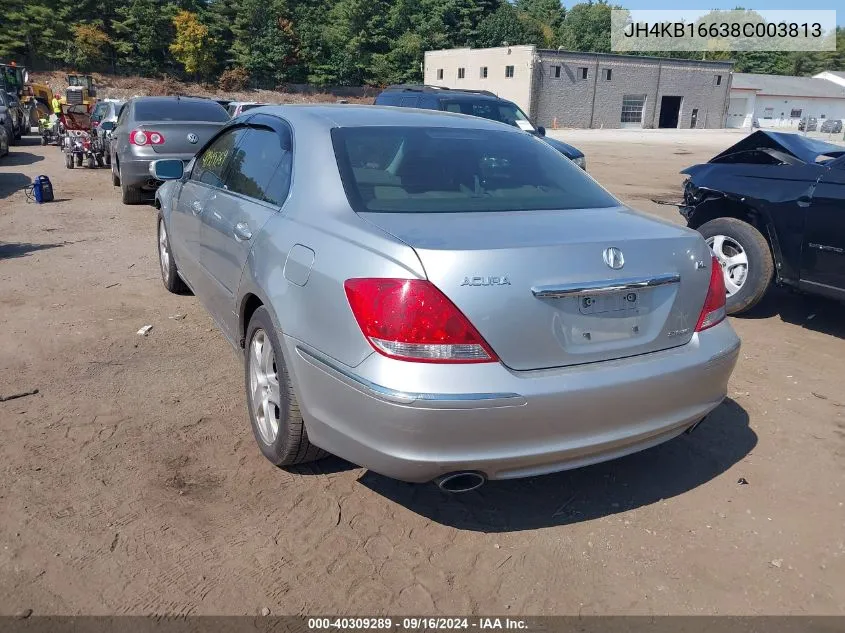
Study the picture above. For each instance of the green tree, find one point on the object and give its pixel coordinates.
(586, 27)
(144, 32)
(33, 33)
(266, 43)
(89, 49)
(192, 46)
(509, 25)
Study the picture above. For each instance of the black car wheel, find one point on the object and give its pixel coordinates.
(746, 261)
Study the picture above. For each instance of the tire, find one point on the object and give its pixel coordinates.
(79, 160)
(729, 238)
(169, 273)
(92, 162)
(43, 140)
(69, 161)
(107, 159)
(289, 445)
(130, 195)
(115, 177)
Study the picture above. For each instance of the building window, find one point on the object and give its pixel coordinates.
(632, 108)
(606, 73)
(768, 113)
(483, 73)
(461, 73)
(718, 80)
(440, 74)
(509, 71)
(795, 113)
(583, 70)
(556, 72)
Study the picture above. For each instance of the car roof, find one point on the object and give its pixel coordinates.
(349, 115)
(171, 99)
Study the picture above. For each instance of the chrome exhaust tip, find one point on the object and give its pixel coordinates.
(461, 481)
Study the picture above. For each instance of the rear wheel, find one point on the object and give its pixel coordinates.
(69, 161)
(130, 195)
(169, 275)
(273, 408)
(745, 258)
(92, 162)
(115, 176)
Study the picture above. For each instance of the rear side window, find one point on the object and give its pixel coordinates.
(211, 163)
(452, 170)
(100, 111)
(254, 170)
(179, 110)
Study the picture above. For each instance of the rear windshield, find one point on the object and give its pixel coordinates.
(179, 110)
(450, 170)
(500, 111)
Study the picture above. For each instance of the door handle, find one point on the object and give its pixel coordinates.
(241, 231)
(196, 207)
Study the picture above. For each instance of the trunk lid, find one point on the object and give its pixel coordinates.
(537, 288)
(176, 135)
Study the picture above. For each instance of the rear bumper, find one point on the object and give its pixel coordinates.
(135, 172)
(415, 422)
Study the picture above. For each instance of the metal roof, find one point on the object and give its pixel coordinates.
(787, 86)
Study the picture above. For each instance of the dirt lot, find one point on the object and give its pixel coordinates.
(131, 482)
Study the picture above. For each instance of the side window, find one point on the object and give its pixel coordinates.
(408, 102)
(121, 116)
(211, 163)
(254, 165)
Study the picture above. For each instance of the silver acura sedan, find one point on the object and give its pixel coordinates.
(440, 297)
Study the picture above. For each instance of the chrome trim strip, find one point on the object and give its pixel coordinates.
(603, 287)
(404, 397)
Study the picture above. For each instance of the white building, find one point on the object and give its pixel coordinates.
(776, 101)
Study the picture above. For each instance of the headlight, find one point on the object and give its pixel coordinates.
(581, 161)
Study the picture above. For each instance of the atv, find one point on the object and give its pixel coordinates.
(78, 141)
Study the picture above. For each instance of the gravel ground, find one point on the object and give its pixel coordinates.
(131, 484)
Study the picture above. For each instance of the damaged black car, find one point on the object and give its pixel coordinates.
(772, 208)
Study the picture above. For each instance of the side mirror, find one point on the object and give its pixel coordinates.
(541, 130)
(167, 169)
(108, 126)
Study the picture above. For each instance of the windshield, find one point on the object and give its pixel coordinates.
(452, 170)
(179, 110)
(500, 111)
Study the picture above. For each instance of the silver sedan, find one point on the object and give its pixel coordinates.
(440, 297)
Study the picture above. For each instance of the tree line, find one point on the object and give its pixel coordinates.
(268, 43)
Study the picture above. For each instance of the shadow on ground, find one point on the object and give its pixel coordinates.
(21, 249)
(584, 494)
(807, 311)
(11, 183)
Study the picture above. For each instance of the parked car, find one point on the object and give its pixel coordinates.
(810, 127)
(13, 115)
(4, 139)
(105, 111)
(771, 207)
(832, 126)
(236, 108)
(480, 103)
(149, 128)
(435, 296)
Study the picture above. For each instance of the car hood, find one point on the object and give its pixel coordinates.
(564, 148)
(800, 147)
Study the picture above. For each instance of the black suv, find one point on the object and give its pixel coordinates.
(479, 103)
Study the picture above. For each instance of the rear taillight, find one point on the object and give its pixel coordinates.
(410, 319)
(145, 137)
(713, 311)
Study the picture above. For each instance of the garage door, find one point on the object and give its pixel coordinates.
(737, 110)
(632, 110)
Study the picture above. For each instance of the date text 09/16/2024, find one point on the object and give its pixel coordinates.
(416, 623)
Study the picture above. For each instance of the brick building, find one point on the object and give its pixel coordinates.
(591, 90)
